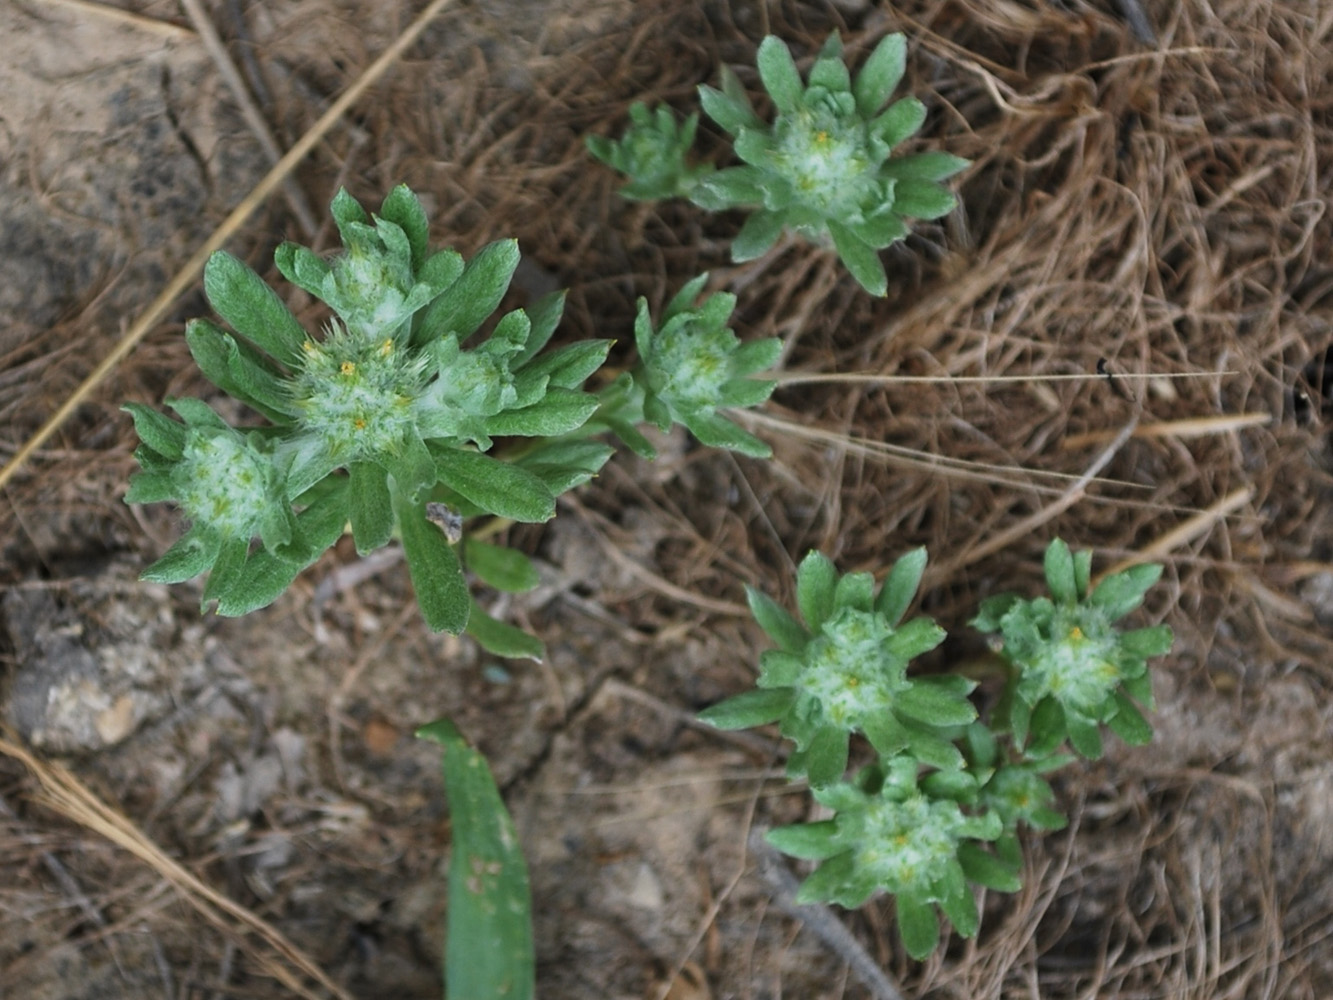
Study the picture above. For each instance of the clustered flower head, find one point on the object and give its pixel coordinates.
(942, 802)
(822, 167)
(1074, 668)
(386, 412)
(692, 365)
(844, 671)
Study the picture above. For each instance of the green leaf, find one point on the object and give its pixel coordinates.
(922, 199)
(881, 229)
(437, 578)
(544, 315)
(918, 925)
(303, 268)
(749, 709)
(267, 576)
(956, 901)
(238, 370)
(931, 749)
(816, 579)
(494, 486)
(899, 588)
(568, 367)
(855, 590)
(730, 188)
(476, 293)
(826, 882)
(814, 841)
(228, 570)
(778, 668)
(881, 74)
(157, 430)
(932, 166)
(1083, 572)
(1059, 568)
(986, 869)
(1084, 736)
(931, 705)
(252, 308)
(1120, 594)
(193, 553)
(559, 412)
(830, 72)
(718, 432)
(1146, 642)
(150, 487)
(563, 464)
(885, 733)
(729, 111)
(371, 510)
(1128, 722)
(502, 639)
(743, 393)
(757, 236)
(489, 952)
(860, 259)
(781, 627)
(404, 210)
(500, 567)
(899, 121)
(826, 756)
(347, 212)
(780, 77)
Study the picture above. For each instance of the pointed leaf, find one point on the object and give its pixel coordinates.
(1120, 594)
(749, 709)
(899, 588)
(500, 567)
(931, 166)
(502, 639)
(437, 578)
(860, 259)
(781, 627)
(922, 199)
(476, 293)
(252, 308)
(780, 77)
(899, 121)
(371, 510)
(814, 841)
(757, 236)
(918, 926)
(1059, 569)
(731, 113)
(157, 430)
(489, 953)
(880, 75)
(816, 579)
(404, 210)
(497, 487)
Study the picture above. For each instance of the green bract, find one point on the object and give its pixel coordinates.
(844, 671)
(822, 167)
(654, 152)
(384, 414)
(1073, 668)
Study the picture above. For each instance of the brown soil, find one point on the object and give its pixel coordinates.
(199, 807)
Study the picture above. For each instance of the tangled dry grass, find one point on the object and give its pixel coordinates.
(1122, 337)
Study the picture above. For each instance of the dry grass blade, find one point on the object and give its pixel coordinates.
(66, 795)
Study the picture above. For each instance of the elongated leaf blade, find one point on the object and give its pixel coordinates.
(488, 953)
